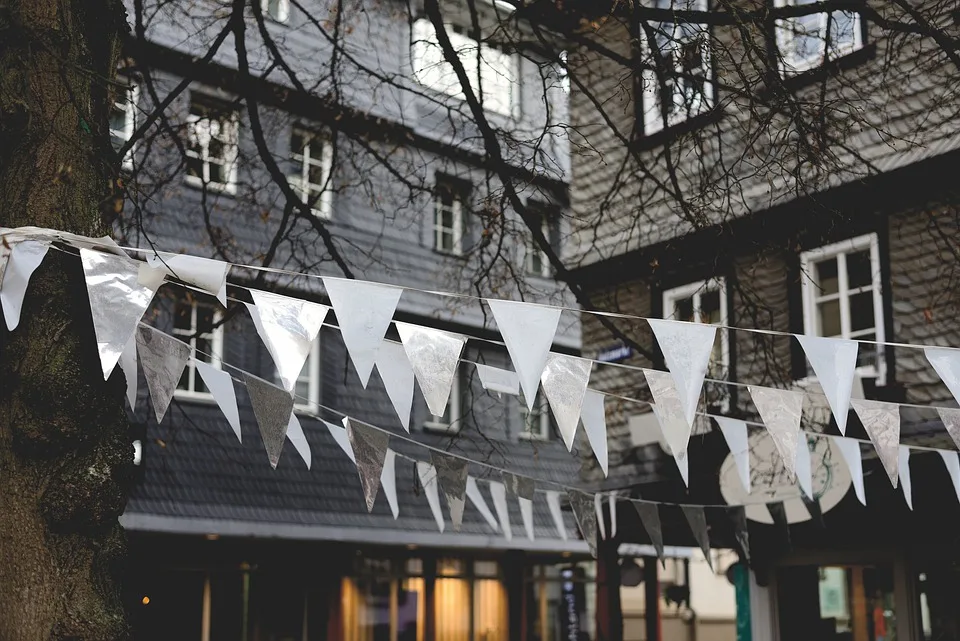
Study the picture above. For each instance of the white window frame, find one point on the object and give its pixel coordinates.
(310, 405)
(457, 210)
(199, 127)
(811, 295)
(431, 69)
(282, 12)
(685, 107)
(532, 249)
(188, 336)
(323, 207)
(129, 108)
(791, 64)
(695, 291)
(542, 433)
(436, 423)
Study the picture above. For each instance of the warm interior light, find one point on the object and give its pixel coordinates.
(145, 600)
(565, 555)
(213, 537)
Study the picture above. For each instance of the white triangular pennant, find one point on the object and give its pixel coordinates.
(904, 470)
(288, 327)
(117, 302)
(803, 467)
(364, 311)
(220, 384)
(498, 492)
(686, 349)
(494, 379)
(674, 425)
(683, 465)
(697, 520)
(388, 482)
(849, 449)
(428, 479)
(735, 434)
(598, 510)
(951, 460)
(128, 363)
(594, 417)
(435, 356)
(951, 421)
(669, 410)
(946, 362)
(370, 447)
(473, 493)
(23, 260)
(556, 513)
(834, 361)
(397, 376)
(206, 273)
(781, 411)
(528, 332)
(339, 435)
(163, 358)
(298, 439)
(881, 421)
(272, 407)
(564, 381)
(526, 513)
(612, 497)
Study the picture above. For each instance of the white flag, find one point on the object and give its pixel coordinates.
(556, 513)
(686, 350)
(206, 273)
(598, 510)
(435, 358)
(428, 479)
(397, 376)
(498, 492)
(23, 260)
(364, 311)
(564, 381)
(834, 361)
(528, 332)
(220, 384)
(882, 424)
(951, 421)
(735, 434)
(904, 470)
(804, 467)
(473, 493)
(594, 417)
(495, 379)
(951, 460)
(781, 411)
(298, 439)
(849, 449)
(946, 362)
(288, 327)
(669, 410)
(388, 482)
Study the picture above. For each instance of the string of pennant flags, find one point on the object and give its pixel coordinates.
(121, 288)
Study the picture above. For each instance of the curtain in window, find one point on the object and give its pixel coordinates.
(452, 609)
(490, 610)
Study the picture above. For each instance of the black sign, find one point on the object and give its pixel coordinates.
(573, 606)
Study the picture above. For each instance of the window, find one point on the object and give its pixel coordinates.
(536, 423)
(536, 262)
(212, 146)
(705, 302)
(494, 74)
(312, 156)
(842, 297)
(196, 324)
(452, 417)
(802, 41)
(448, 218)
(278, 10)
(687, 84)
(384, 600)
(123, 120)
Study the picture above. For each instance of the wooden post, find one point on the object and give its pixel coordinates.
(513, 568)
(609, 614)
(651, 597)
(429, 597)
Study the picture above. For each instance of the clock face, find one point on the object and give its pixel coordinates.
(770, 482)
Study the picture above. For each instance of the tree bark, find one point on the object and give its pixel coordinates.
(65, 452)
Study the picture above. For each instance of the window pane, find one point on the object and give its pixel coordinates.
(316, 175)
(826, 277)
(842, 30)
(184, 382)
(182, 316)
(204, 349)
(302, 391)
(194, 167)
(710, 307)
(489, 610)
(217, 173)
(366, 609)
(861, 311)
(859, 271)
(298, 141)
(411, 610)
(683, 309)
(452, 606)
(485, 569)
(450, 567)
(829, 318)
(205, 316)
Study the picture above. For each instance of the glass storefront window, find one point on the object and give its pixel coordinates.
(938, 587)
(560, 602)
(384, 602)
(836, 603)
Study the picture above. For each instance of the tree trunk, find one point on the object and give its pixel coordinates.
(65, 452)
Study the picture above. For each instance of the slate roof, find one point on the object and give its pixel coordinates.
(199, 479)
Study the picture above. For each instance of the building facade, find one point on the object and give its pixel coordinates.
(360, 117)
(720, 211)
